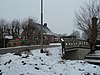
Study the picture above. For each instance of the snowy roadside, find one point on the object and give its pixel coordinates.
(44, 64)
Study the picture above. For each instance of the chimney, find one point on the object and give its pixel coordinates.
(30, 21)
(45, 24)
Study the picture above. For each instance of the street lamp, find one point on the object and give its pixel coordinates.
(41, 26)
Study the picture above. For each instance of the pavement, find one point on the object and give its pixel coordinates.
(19, 48)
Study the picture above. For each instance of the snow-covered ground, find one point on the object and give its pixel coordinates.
(55, 43)
(44, 64)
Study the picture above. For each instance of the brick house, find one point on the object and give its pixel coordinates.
(35, 28)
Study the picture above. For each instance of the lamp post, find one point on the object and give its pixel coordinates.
(41, 26)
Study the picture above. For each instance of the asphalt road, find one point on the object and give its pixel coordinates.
(19, 48)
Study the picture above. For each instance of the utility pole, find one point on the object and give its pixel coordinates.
(4, 37)
(41, 26)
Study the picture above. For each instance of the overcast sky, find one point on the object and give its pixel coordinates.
(59, 14)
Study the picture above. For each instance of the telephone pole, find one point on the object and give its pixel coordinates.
(41, 26)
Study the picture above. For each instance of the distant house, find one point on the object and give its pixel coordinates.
(5, 39)
(35, 32)
(7, 36)
(75, 33)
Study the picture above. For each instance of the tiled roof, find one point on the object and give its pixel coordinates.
(37, 27)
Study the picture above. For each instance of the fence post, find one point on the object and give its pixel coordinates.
(63, 45)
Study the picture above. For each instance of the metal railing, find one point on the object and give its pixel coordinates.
(75, 43)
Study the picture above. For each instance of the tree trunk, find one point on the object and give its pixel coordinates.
(93, 34)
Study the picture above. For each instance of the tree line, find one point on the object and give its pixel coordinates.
(15, 27)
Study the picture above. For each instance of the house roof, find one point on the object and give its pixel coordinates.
(37, 27)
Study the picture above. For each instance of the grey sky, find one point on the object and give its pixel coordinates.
(59, 14)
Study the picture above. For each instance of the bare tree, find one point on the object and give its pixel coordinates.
(87, 21)
(84, 36)
(75, 33)
(8, 28)
(2, 27)
(15, 28)
(28, 28)
(24, 24)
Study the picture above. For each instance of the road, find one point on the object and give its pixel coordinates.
(19, 48)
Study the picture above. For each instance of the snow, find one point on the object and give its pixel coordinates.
(8, 37)
(62, 39)
(55, 44)
(92, 60)
(49, 63)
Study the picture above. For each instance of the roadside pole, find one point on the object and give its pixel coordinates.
(41, 26)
